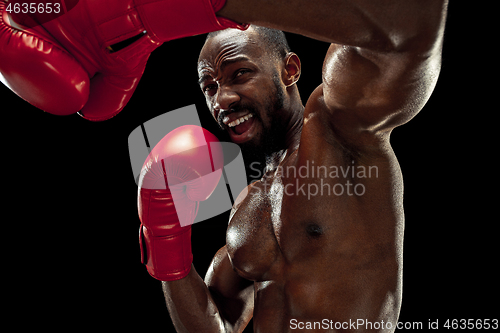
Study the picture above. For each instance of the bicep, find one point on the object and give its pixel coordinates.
(369, 91)
(232, 293)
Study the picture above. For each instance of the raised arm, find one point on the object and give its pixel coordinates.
(183, 169)
(384, 25)
(384, 59)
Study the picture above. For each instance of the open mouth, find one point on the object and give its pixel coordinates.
(241, 125)
(240, 129)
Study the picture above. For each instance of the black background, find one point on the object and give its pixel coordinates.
(70, 218)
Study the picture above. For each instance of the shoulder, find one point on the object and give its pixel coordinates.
(366, 94)
(241, 197)
(328, 128)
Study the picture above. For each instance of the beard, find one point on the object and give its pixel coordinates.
(272, 138)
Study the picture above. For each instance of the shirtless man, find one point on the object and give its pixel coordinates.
(296, 257)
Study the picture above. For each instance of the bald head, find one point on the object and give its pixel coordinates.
(273, 40)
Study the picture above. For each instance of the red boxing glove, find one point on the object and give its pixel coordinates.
(181, 170)
(38, 69)
(77, 61)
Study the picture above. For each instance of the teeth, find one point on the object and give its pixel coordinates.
(239, 120)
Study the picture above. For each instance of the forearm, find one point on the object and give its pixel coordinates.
(191, 306)
(383, 25)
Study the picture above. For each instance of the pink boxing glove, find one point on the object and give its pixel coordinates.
(90, 57)
(183, 169)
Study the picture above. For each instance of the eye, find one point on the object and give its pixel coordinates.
(242, 71)
(209, 88)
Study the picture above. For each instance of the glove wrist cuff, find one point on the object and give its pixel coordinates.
(167, 258)
(166, 20)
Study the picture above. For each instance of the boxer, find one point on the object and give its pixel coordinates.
(295, 261)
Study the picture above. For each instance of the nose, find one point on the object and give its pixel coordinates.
(224, 100)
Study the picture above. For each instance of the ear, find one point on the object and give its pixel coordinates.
(291, 71)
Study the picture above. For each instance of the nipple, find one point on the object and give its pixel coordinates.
(314, 230)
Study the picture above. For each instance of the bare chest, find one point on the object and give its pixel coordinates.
(278, 222)
(252, 241)
(314, 214)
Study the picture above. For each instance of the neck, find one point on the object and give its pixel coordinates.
(292, 138)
